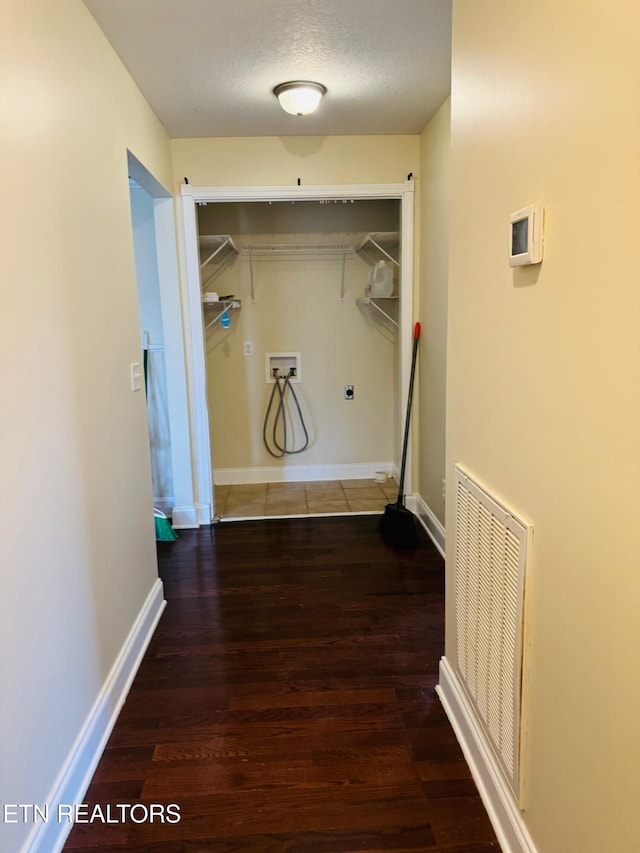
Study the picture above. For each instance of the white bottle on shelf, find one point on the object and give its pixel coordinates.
(380, 281)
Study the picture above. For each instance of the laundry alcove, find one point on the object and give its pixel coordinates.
(284, 271)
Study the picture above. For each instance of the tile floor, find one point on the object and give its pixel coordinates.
(325, 496)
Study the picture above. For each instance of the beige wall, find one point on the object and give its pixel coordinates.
(298, 308)
(432, 280)
(543, 366)
(275, 161)
(280, 161)
(77, 547)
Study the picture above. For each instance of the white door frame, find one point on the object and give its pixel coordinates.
(184, 513)
(192, 301)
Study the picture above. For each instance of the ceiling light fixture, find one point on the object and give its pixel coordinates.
(299, 97)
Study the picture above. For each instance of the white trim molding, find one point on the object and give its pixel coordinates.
(195, 355)
(75, 775)
(301, 473)
(293, 193)
(429, 521)
(186, 517)
(204, 514)
(203, 464)
(504, 814)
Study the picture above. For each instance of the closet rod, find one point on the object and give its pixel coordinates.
(262, 251)
(267, 250)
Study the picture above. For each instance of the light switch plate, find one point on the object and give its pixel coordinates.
(136, 376)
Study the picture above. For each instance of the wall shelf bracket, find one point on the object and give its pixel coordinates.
(224, 251)
(385, 305)
(377, 240)
(226, 305)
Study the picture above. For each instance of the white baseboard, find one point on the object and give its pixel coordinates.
(204, 514)
(185, 517)
(428, 520)
(75, 775)
(498, 799)
(299, 473)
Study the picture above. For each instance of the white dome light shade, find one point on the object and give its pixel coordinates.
(299, 97)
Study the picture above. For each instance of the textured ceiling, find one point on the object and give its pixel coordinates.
(208, 67)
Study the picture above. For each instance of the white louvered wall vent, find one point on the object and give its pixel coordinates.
(491, 548)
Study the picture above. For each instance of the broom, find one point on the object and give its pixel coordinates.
(398, 524)
(164, 529)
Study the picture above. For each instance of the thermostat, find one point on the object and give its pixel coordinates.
(526, 236)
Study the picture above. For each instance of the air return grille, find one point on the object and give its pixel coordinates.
(491, 547)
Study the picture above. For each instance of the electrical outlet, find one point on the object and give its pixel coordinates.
(444, 489)
(348, 392)
(247, 348)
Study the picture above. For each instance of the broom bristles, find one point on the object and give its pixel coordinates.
(398, 526)
(164, 528)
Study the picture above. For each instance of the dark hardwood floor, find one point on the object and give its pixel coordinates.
(286, 703)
